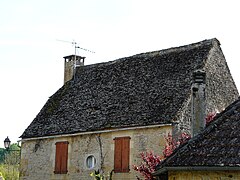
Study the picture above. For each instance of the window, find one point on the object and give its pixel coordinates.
(90, 162)
(61, 158)
(121, 154)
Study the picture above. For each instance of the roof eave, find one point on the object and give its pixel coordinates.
(197, 168)
(97, 131)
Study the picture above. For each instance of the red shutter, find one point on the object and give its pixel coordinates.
(118, 155)
(121, 154)
(61, 158)
(58, 158)
(125, 154)
(64, 158)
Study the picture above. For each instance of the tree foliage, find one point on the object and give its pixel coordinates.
(14, 150)
(9, 162)
(2, 155)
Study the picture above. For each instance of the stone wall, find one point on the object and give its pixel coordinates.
(220, 87)
(183, 119)
(203, 175)
(68, 70)
(38, 156)
(220, 90)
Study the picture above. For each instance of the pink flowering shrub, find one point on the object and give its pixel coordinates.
(184, 137)
(210, 117)
(150, 160)
(148, 165)
(171, 144)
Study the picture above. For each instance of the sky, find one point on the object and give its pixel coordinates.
(36, 35)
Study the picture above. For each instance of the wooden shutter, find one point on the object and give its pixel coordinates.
(125, 154)
(61, 158)
(118, 155)
(121, 154)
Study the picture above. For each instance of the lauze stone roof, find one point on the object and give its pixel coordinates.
(144, 89)
(217, 146)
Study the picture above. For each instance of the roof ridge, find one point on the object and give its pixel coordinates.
(181, 48)
(160, 52)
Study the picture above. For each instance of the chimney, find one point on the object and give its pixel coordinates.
(198, 109)
(70, 64)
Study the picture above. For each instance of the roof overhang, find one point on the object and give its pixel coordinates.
(196, 168)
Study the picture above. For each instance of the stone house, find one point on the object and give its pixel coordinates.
(212, 154)
(106, 114)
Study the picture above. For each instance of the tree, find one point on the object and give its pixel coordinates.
(2, 155)
(12, 156)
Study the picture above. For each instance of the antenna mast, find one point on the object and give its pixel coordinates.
(73, 61)
(74, 43)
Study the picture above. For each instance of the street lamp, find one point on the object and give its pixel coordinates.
(7, 143)
(11, 158)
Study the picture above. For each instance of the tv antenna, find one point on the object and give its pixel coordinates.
(77, 60)
(74, 43)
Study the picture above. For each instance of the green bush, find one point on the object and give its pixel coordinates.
(98, 176)
(1, 176)
(10, 172)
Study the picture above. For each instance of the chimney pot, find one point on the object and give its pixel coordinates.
(70, 64)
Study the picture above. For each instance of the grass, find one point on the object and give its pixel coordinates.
(9, 172)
